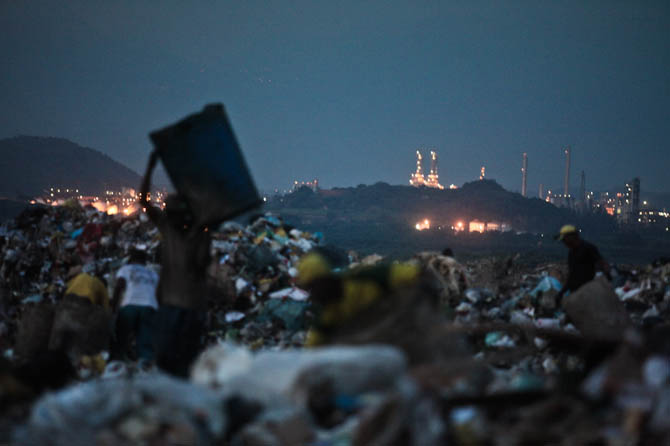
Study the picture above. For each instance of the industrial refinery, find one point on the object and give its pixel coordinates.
(624, 206)
(417, 179)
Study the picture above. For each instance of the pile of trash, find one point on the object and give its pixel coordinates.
(255, 300)
(440, 353)
(252, 295)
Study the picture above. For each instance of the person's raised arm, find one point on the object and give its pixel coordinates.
(566, 286)
(600, 263)
(152, 211)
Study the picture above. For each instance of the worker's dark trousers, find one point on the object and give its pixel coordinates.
(137, 321)
(178, 338)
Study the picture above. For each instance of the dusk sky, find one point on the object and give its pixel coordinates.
(346, 91)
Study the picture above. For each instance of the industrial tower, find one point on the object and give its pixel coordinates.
(566, 183)
(417, 178)
(632, 197)
(433, 177)
(524, 174)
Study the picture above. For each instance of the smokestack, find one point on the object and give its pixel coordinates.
(433, 163)
(433, 178)
(540, 192)
(524, 174)
(582, 188)
(566, 184)
(417, 179)
(635, 198)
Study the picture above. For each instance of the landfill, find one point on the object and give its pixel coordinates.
(476, 353)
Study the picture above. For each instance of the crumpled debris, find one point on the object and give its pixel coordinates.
(335, 394)
(497, 339)
(291, 293)
(548, 283)
(596, 311)
(119, 411)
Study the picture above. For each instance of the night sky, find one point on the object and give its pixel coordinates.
(346, 91)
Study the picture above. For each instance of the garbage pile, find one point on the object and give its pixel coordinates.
(255, 300)
(593, 368)
(428, 351)
(252, 295)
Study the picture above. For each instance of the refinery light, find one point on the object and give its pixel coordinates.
(425, 224)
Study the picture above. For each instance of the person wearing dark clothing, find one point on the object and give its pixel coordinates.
(181, 293)
(135, 299)
(584, 260)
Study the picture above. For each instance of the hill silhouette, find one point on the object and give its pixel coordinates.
(381, 218)
(30, 164)
(486, 201)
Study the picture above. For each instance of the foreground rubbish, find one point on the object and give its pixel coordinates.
(120, 411)
(323, 396)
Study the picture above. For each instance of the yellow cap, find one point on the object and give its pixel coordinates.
(565, 230)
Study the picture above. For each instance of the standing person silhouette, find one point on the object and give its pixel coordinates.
(182, 290)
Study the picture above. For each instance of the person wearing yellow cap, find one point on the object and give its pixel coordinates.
(584, 260)
(339, 297)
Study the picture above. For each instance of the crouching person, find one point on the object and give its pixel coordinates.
(135, 297)
(81, 321)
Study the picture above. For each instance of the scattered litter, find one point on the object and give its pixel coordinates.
(291, 293)
(234, 316)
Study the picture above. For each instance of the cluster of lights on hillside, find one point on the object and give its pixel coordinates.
(470, 226)
(114, 202)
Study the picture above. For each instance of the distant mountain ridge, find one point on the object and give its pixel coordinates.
(483, 200)
(30, 164)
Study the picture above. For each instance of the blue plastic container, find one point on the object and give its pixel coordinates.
(205, 164)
